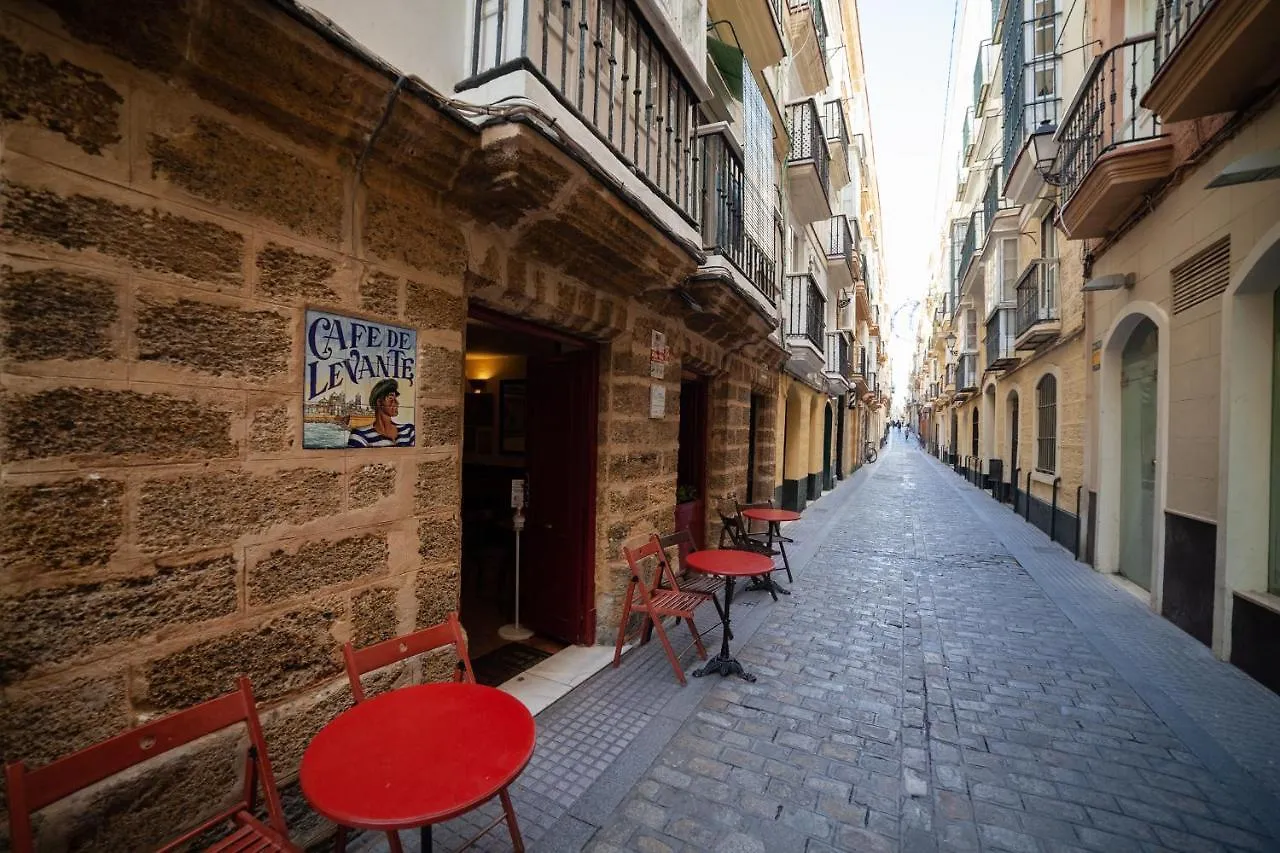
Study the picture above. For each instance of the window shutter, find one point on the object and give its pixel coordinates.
(1202, 276)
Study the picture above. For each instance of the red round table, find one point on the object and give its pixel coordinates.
(774, 518)
(417, 756)
(730, 565)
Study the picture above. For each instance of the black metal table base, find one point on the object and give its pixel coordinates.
(767, 584)
(724, 665)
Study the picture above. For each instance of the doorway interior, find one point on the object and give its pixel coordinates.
(529, 424)
(1138, 373)
(691, 458)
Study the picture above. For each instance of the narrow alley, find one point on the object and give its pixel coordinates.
(944, 680)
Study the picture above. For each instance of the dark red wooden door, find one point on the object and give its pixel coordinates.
(557, 571)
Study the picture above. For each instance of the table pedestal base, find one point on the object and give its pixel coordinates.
(724, 665)
(767, 584)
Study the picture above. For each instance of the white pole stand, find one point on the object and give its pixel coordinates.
(515, 632)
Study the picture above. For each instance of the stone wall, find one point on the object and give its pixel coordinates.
(179, 184)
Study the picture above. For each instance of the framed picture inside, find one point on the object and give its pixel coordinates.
(511, 416)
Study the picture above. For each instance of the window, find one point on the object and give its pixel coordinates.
(1047, 424)
(1009, 269)
(1048, 236)
(970, 330)
(1044, 37)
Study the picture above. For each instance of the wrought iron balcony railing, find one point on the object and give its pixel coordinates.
(607, 66)
(1106, 112)
(806, 310)
(729, 196)
(838, 354)
(950, 376)
(1037, 294)
(859, 366)
(807, 140)
(975, 233)
(1174, 19)
(1031, 79)
(993, 200)
(833, 123)
(967, 372)
(1000, 338)
(840, 239)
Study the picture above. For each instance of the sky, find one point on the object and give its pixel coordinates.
(906, 45)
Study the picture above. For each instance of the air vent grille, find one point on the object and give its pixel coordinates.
(1202, 276)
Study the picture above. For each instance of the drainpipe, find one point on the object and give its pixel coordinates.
(1013, 488)
(1053, 510)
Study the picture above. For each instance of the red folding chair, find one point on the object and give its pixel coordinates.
(32, 790)
(655, 603)
(448, 632)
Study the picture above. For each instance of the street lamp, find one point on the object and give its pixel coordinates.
(951, 342)
(1044, 152)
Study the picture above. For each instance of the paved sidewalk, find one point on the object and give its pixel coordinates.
(943, 679)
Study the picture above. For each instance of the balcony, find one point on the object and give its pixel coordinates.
(949, 380)
(1001, 352)
(757, 25)
(1032, 75)
(804, 323)
(1212, 56)
(1112, 151)
(993, 201)
(836, 132)
(966, 374)
(732, 203)
(858, 369)
(1038, 319)
(975, 236)
(807, 31)
(611, 72)
(841, 267)
(837, 366)
(808, 164)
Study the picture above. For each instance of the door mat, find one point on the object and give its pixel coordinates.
(506, 662)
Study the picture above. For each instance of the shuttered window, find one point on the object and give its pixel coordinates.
(1047, 424)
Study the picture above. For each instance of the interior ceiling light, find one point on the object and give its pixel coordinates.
(1262, 166)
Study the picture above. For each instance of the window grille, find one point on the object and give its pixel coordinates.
(1047, 424)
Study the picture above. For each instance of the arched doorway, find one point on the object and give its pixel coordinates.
(1116, 449)
(955, 436)
(1139, 370)
(828, 435)
(974, 450)
(1247, 502)
(795, 461)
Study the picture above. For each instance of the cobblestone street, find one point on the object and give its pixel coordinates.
(940, 681)
(922, 690)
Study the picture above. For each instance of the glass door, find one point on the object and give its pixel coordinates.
(1138, 453)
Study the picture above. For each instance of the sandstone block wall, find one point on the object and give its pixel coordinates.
(179, 185)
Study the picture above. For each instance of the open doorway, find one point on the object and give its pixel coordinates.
(529, 425)
(691, 459)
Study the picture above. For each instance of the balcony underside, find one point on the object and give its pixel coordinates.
(1115, 186)
(808, 195)
(730, 312)
(836, 384)
(755, 28)
(810, 65)
(806, 357)
(1023, 184)
(1003, 362)
(839, 272)
(1039, 333)
(556, 214)
(1230, 57)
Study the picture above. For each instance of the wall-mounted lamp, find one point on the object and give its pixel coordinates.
(478, 386)
(1115, 281)
(1044, 153)
(951, 342)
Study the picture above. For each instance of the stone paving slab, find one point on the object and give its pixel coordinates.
(940, 681)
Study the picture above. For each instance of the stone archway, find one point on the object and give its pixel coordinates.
(795, 462)
(1110, 453)
(1244, 445)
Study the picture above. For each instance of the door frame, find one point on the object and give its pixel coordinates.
(1110, 442)
(587, 580)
